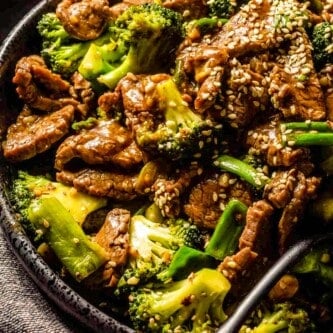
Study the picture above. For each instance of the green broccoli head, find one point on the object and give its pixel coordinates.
(27, 187)
(220, 8)
(22, 193)
(283, 317)
(152, 34)
(317, 263)
(182, 134)
(187, 233)
(193, 304)
(103, 55)
(322, 42)
(64, 59)
(50, 29)
(60, 51)
(152, 246)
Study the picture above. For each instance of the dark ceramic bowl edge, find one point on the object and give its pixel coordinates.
(44, 277)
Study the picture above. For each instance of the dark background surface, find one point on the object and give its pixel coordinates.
(11, 12)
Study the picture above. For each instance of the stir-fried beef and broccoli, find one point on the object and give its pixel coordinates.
(169, 152)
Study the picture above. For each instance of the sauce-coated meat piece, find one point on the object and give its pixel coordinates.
(290, 191)
(102, 183)
(114, 238)
(209, 196)
(82, 91)
(85, 19)
(233, 267)
(294, 85)
(35, 133)
(190, 9)
(108, 142)
(169, 189)
(265, 140)
(39, 87)
(258, 228)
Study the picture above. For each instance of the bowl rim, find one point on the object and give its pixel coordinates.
(51, 285)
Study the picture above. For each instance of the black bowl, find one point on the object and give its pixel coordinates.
(23, 40)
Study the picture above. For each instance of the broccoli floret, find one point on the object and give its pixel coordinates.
(27, 188)
(322, 42)
(182, 133)
(59, 50)
(204, 25)
(103, 56)
(64, 59)
(220, 8)
(283, 317)
(317, 263)
(187, 233)
(152, 246)
(77, 252)
(190, 305)
(152, 33)
(51, 29)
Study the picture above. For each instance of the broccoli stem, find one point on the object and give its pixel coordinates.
(320, 126)
(310, 139)
(75, 250)
(307, 134)
(242, 169)
(225, 237)
(129, 65)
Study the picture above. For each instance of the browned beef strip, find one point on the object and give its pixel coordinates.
(111, 103)
(265, 141)
(290, 191)
(294, 85)
(190, 9)
(326, 82)
(284, 289)
(33, 134)
(118, 8)
(84, 19)
(112, 184)
(258, 228)
(208, 198)
(139, 99)
(247, 91)
(252, 30)
(235, 266)
(39, 87)
(304, 190)
(280, 190)
(107, 142)
(168, 189)
(254, 27)
(82, 91)
(204, 64)
(114, 238)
